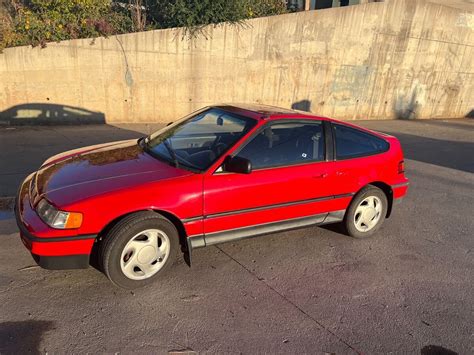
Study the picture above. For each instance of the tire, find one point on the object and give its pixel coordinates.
(139, 249)
(366, 212)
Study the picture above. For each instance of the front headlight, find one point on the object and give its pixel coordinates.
(58, 219)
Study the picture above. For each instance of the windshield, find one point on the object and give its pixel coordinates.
(196, 142)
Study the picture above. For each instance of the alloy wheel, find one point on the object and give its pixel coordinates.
(145, 254)
(368, 213)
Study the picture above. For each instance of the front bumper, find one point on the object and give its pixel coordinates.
(49, 249)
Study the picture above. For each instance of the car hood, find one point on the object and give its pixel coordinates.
(78, 174)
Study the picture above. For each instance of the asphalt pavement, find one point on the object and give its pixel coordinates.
(315, 290)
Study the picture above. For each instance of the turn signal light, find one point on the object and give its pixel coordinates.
(74, 220)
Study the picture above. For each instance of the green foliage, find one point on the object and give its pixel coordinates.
(192, 13)
(41, 21)
(36, 22)
(195, 14)
(262, 8)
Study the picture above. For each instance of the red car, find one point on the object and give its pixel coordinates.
(220, 174)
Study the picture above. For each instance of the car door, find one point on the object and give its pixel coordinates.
(291, 178)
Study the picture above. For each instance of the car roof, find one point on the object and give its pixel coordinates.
(258, 111)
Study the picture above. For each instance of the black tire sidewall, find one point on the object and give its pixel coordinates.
(120, 235)
(349, 217)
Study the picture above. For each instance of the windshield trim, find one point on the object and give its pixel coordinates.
(181, 164)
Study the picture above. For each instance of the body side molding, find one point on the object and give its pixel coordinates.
(267, 207)
(200, 241)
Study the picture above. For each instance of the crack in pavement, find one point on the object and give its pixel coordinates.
(290, 302)
(63, 135)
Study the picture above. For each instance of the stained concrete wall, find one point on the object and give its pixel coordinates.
(399, 58)
(460, 4)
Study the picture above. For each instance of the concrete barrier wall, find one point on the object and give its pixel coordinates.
(397, 59)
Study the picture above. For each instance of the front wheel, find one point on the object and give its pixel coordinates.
(366, 212)
(138, 249)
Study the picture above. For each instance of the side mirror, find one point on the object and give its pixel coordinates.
(237, 165)
(169, 124)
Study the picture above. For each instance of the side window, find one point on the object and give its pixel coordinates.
(352, 143)
(286, 144)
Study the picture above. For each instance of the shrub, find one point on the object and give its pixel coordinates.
(262, 8)
(36, 22)
(41, 21)
(195, 14)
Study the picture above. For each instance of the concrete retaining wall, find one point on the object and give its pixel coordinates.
(397, 59)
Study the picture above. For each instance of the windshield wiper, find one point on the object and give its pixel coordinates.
(142, 142)
(172, 153)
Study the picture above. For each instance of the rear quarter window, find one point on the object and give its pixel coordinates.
(353, 143)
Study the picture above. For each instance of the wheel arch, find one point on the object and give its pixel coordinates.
(168, 215)
(387, 189)
(177, 223)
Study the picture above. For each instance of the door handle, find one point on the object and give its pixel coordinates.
(321, 176)
(340, 173)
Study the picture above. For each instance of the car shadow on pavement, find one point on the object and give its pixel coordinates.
(338, 228)
(23, 337)
(436, 350)
(49, 114)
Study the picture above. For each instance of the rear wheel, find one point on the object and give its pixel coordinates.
(138, 249)
(366, 212)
